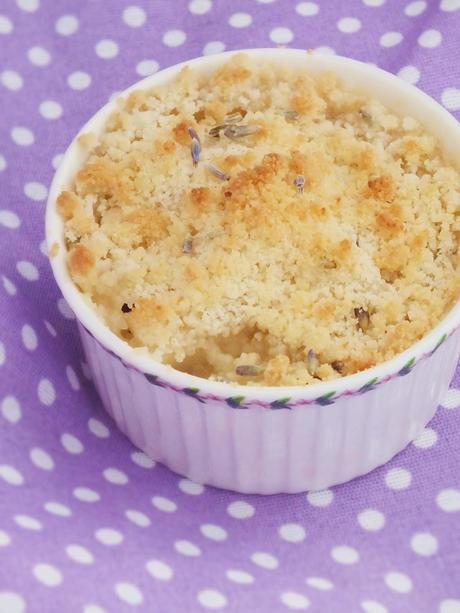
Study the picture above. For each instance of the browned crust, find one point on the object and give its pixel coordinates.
(81, 261)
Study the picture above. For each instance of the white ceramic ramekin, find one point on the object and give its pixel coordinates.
(268, 439)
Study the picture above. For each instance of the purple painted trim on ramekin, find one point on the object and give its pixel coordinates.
(237, 402)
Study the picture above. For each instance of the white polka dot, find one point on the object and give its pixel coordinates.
(29, 337)
(93, 608)
(134, 16)
(11, 475)
(10, 287)
(413, 9)
(371, 520)
(321, 498)
(159, 570)
(41, 459)
(174, 38)
(186, 548)
(398, 478)
(344, 554)
(212, 599)
(47, 574)
(142, 460)
(6, 25)
(38, 56)
(320, 583)
(147, 67)
(56, 161)
(71, 443)
(108, 536)
(294, 600)
(239, 576)
(430, 39)
(22, 136)
(72, 378)
(106, 49)
(424, 544)
(372, 606)
(426, 439)
(50, 109)
(138, 518)
(79, 80)
(398, 582)
(293, 533)
(10, 602)
(213, 532)
(86, 494)
(11, 409)
(129, 593)
(79, 554)
(98, 428)
(307, 9)
(2, 354)
(448, 500)
(215, 46)
(411, 74)
(240, 509)
(46, 393)
(199, 7)
(450, 5)
(9, 220)
(64, 309)
(2, 163)
(28, 5)
(115, 476)
(44, 248)
(11, 79)
(164, 504)
(374, 3)
(50, 328)
(35, 191)
(349, 25)
(56, 508)
(390, 39)
(281, 35)
(240, 20)
(189, 487)
(66, 25)
(450, 98)
(27, 522)
(449, 605)
(264, 560)
(4, 539)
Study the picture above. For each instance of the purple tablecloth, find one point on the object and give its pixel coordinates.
(89, 524)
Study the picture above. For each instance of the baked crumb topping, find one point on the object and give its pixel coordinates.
(264, 226)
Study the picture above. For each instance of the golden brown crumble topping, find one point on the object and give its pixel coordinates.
(311, 235)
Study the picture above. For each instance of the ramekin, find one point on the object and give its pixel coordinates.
(258, 439)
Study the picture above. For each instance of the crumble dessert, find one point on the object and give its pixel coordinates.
(264, 226)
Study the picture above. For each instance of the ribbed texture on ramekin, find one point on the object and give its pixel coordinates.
(258, 450)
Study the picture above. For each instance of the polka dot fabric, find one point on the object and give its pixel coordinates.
(89, 524)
